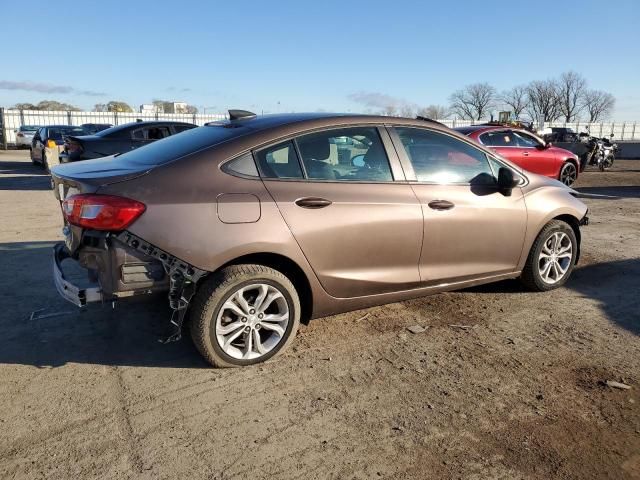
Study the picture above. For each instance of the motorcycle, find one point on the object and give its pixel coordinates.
(600, 151)
(609, 151)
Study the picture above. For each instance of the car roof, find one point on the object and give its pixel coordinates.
(306, 121)
(489, 128)
(61, 126)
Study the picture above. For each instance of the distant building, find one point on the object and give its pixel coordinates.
(150, 108)
(175, 107)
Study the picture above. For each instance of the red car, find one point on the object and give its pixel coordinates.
(527, 151)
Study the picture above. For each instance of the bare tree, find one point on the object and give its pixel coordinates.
(473, 102)
(571, 89)
(516, 99)
(598, 104)
(100, 107)
(435, 112)
(542, 100)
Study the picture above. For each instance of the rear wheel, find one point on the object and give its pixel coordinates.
(552, 257)
(33, 160)
(244, 314)
(45, 164)
(568, 173)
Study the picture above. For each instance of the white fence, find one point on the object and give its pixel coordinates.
(10, 120)
(620, 130)
(13, 119)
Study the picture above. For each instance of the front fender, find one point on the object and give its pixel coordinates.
(545, 202)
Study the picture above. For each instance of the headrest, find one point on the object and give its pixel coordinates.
(315, 148)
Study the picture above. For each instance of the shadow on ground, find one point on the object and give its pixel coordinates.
(611, 193)
(60, 333)
(612, 284)
(23, 176)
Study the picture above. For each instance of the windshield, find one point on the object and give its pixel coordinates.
(28, 128)
(176, 146)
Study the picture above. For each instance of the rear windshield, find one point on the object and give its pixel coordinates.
(176, 146)
(56, 133)
(28, 128)
(466, 130)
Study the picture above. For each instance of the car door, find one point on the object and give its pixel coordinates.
(359, 227)
(537, 157)
(471, 229)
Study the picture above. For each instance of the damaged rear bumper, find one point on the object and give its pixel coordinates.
(77, 295)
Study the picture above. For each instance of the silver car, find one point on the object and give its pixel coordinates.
(24, 135)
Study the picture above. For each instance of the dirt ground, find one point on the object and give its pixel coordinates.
(518, 395)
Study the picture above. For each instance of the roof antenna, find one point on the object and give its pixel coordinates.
(240, 114)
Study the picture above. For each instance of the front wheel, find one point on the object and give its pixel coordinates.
(607, 163)
(568, 173)
(552, 257)
(244, 314)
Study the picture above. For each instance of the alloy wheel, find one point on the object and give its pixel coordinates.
(569, 174)
(555, 257)
(252, 321)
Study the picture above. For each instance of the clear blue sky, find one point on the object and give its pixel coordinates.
(304, 55)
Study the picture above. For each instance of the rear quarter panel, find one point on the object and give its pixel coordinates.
(182, 213)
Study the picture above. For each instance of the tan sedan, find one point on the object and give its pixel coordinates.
(255, 223)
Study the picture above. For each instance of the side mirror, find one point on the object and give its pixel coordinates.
(611, 136)
(507, 181)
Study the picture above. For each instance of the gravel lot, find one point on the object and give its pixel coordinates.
(520, 394)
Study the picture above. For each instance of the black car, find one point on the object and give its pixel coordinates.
(565, 137)
(119, 139)
(48, 142)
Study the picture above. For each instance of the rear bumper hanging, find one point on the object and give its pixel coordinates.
(74, 294)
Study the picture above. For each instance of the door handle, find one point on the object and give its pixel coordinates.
(440, 205)
(313, 202)
(526, 154)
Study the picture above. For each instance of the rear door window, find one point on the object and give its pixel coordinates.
(279, 161)
(345, 154)
(499, 138)
(157, 133)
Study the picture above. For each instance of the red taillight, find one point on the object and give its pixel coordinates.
(73, 147)
(101, 212)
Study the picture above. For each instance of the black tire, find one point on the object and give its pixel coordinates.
(45, 164)
(216, 290)
(531, 276)
(33, 161)
(568, 173)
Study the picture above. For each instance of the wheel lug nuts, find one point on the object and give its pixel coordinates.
(252, 311)
(258, 327)
(260, 315)
(247, 329)
(243, 319)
